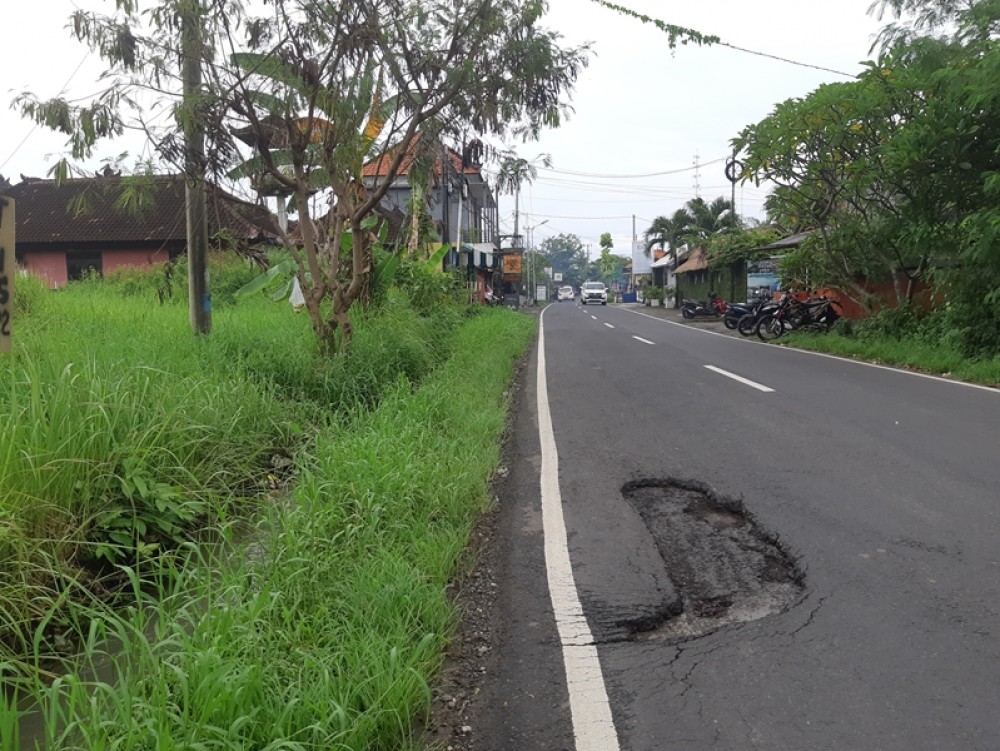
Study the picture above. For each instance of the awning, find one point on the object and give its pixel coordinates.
(792, 241)
(484, 254)
(659, 263)
(697, 262)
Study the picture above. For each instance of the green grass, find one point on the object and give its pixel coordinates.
(320, 626)
(934, 358)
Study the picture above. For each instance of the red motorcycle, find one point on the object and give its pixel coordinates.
(714, 307)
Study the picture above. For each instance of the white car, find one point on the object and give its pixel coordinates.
(594, 292)
(564, 293)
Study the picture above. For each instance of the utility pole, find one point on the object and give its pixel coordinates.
(199, 297)
(446, 200)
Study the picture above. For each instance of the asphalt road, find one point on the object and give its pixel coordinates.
(882, 487)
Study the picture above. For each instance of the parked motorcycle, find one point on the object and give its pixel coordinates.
(491, 299)
(747, 324)
(735, 311)
(791, 314)
(714, 307)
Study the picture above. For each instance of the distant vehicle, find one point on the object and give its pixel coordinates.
(594, 292)
(564, 293)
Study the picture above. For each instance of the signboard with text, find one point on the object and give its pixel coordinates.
(512, 267)
(7, 271)
(764, 274)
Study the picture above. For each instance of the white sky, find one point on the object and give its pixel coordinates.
(640, 109)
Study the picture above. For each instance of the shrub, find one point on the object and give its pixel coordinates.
(29, 294)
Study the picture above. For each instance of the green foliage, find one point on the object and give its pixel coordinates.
(972, 318)
(29, 296)
(740, 245)
(566, 255)
(674, 33)
(325, 627)
(429, 289)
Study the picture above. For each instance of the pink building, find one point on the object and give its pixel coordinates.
(64, 230)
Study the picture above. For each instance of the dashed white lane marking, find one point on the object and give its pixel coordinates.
(590, 711)
(609, 325)
(848, 360)
(741, 379)
(640, 339)
(593, 316)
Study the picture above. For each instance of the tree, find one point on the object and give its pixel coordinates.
(566, 255)
(829, 154)
(709, 218)
(695, 220)
(318, 88)
(608, 263)
(668, 232)
(514, 171)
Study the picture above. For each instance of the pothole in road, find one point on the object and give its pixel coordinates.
(725, 566)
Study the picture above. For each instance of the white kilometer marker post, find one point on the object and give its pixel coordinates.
(590, 710)
(741, 379)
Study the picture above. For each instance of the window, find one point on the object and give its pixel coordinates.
(79, 262)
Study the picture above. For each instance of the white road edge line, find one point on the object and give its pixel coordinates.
(609, 325)
(590, 710)
(741, 379)
(640, 339)
(827, 355)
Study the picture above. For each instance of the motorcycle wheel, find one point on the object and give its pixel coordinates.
(745, 325)
(687, 313)
(731, 323)
(769, 328)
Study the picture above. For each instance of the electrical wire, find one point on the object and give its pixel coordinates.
(35, 126)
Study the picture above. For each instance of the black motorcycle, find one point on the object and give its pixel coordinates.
(735, 311)
(747, 324)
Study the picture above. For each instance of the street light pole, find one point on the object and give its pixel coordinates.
(532, 274)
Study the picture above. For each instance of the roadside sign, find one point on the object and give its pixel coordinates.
(512, 267)
(7, 271)
(556, 277)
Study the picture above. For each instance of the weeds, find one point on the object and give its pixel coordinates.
(321, 629)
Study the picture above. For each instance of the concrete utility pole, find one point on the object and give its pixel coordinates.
(199, 297)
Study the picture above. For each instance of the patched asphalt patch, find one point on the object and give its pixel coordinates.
(725, 567)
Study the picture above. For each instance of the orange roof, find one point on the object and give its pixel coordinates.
(380, 167)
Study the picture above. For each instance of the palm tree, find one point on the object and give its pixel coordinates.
(710, 218)
(669, 232)
(697, 219)
(515, 170)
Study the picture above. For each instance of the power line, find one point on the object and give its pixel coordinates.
(627, 177)
(35, 126)
(678, 32)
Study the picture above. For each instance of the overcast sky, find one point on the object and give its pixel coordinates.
(640, 109)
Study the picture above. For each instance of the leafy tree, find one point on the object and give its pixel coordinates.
(606, 242)
(566, 254)
(319, 88)
(827, 153)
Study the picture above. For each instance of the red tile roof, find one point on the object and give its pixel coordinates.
(380, 167)
(45, 212)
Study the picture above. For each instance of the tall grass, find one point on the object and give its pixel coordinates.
(905, 337)
(325, 629)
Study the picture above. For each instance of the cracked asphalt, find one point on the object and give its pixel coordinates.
(869, 495)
